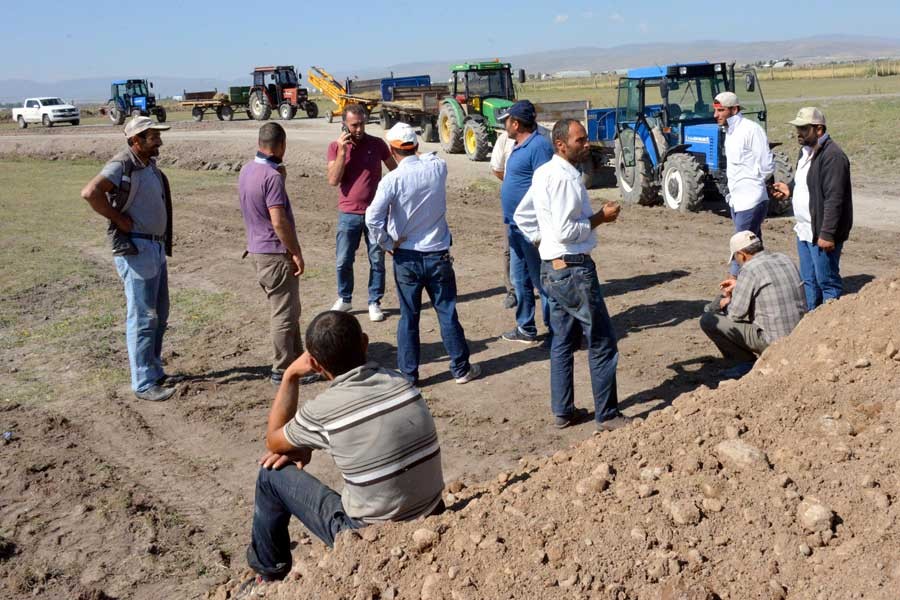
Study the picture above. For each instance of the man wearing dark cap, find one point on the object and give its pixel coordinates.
(134, 195)
(822, 200)
(531, 150)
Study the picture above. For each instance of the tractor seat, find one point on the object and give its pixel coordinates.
(674, 112)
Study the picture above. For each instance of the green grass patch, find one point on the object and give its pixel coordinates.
(194, 310)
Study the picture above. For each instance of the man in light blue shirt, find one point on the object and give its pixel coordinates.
(407, 218)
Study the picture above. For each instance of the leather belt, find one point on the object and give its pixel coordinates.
(148, 236)
(567, 260)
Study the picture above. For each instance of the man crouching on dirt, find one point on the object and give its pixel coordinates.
(373, 423)
(134, 195)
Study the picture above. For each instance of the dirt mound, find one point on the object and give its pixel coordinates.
(781, 485)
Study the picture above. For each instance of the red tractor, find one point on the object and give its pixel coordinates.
(278, 88)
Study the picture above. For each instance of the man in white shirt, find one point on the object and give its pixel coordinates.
(557, 212)
(408, 218)
(749, 163)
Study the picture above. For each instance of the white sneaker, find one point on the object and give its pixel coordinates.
(375, 313)
(474, 373)
(341, 305)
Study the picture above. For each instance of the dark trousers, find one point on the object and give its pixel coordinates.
(432, 272)
(749, 220)
(280, 494)
(576, 308)
(737, 341)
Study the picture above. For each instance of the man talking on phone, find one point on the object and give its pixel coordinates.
(354, 166)
(556, 213)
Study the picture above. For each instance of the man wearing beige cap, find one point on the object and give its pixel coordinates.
(408, 218)
(749, 163)
(762, 305)
(822, 199)
(134, 195)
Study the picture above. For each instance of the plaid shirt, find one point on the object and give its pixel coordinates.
(769, 294)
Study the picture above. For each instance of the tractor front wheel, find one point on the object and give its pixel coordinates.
(636, 184)
(259, 106)
(477, 140)
(197, 114)
(682, 183)
(784, 172)
(161, 115)
(286, 111)
(449, 130)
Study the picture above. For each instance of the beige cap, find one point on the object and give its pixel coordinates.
(808, 115)
(727, 99)
(141, 124)
(740, 241)
(403, 136)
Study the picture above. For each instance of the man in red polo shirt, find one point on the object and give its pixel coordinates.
(354, 166)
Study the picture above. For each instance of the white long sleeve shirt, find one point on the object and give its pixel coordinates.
(557, 211)
(749, 163)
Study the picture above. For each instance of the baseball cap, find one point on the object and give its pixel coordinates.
(808, 115)
(523, 110)
(727, 100)
(740, 241)
(402, 136)
(141, 124)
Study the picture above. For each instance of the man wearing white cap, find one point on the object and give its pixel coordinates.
(822, 199)
(749, 163)
(762, 305)
(134, 195)
(408, 218)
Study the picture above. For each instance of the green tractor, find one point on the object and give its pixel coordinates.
(467, 121)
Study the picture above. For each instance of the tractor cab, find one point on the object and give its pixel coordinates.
(278, 88)
(132, 97)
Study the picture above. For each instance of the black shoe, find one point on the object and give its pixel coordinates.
(276, 378)
(155, 393)
(561, 422)
(546, 343)
(510, 300)
(617, 422)
(311, 379)
(517, 336)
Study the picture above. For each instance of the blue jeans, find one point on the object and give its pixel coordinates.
(350, 229)
(433, 272)
(820, 272)
(525, 270)
(146, 283)
(576, 308)
(280, 494)
(749, 220)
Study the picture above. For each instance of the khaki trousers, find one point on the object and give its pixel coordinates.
(275, 274)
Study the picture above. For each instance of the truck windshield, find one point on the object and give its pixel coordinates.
(51, 101)
(495, 84)
(693, 98)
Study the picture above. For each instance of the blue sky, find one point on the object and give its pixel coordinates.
(53, 40)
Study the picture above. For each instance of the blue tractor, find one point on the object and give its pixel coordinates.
(132, 97)
(668, 147)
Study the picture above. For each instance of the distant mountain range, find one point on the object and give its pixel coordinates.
(807, 50)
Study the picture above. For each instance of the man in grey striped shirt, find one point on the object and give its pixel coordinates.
(763, 304)
(373, 423)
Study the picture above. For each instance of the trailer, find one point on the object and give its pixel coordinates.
(224, 105)
(418, 104)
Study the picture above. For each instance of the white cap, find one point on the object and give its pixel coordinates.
(141, 124)
(741, 241)
(402, 136)
(808, 115)
(727, 99)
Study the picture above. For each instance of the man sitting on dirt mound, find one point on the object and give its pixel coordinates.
(762, 305)
(373, 423)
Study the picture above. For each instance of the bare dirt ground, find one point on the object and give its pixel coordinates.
(105, 496)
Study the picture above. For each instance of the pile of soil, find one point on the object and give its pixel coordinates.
(781, 485)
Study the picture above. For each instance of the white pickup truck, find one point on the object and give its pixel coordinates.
(47, 111)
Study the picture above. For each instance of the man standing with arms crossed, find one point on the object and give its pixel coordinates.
(272, 242)
(822, 198)
(749, 164)
(531, 150)
(563, 221)
(354, 164)
(134, 195)
(408, 218)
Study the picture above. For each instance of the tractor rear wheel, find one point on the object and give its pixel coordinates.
(197, 114)
(160, 115)
(682, 183)
(226, 113)
(312, 110)
(784, 172)
(636, 184)
(286, 111)
(449, 130)
(259, 106)
(477, 140)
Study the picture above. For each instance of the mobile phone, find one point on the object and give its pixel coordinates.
(344, 128)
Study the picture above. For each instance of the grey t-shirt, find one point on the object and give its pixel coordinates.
(148, 211)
